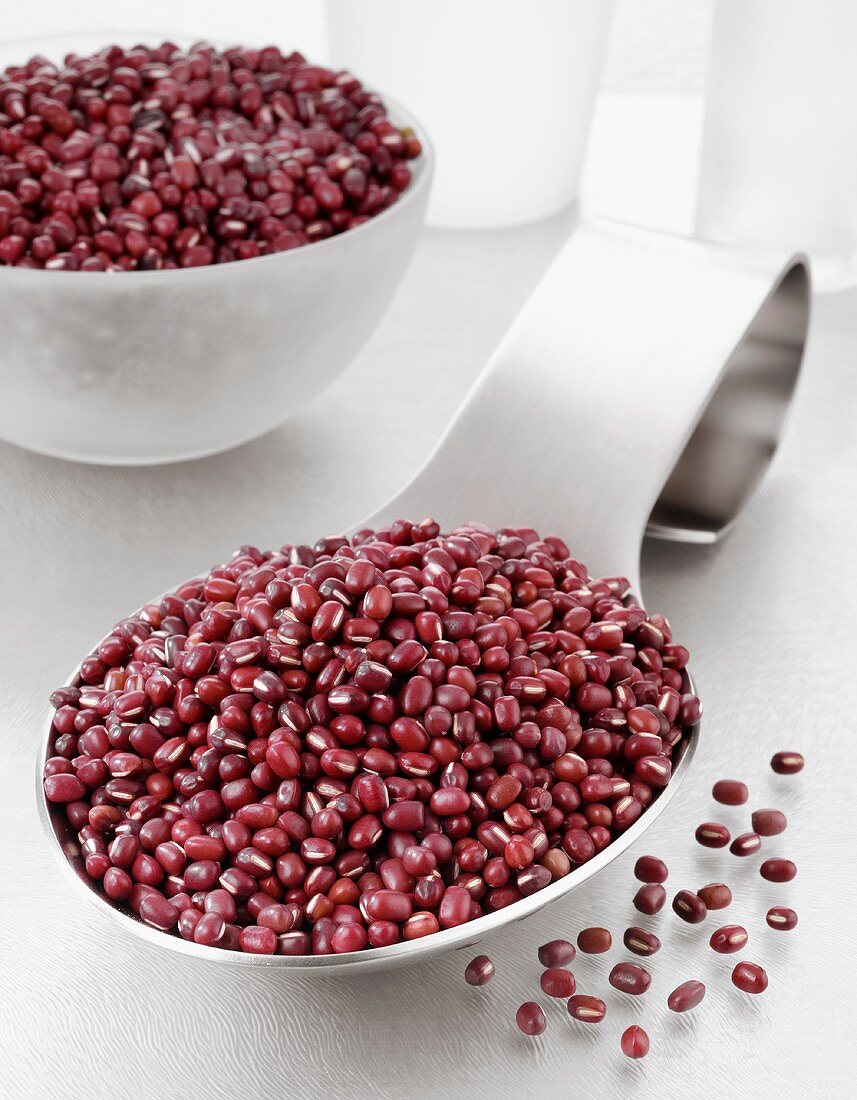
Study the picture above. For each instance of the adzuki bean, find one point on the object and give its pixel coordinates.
(594, 941)
(729, 938)
(769, 822)
(650, 899)
(690, 907)
(531, 1018)
(711, 834)
(686, 996)
(344, 746)
(750, 978)
(746, 845)
(635, 1042)
(480, 971)
(787, 763)
(778, 870)
(556, 953)
(640, 941)
(716, 895)
(630, 978)
(651, 869)
(730, 792)
(588, 1010)
(781, 918)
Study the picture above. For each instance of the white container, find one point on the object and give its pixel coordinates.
(142, 367)
(779, 156)
(506, 89)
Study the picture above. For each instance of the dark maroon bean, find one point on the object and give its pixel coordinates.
(778, 870)
(649, 899)
(159, 912)
(729, 938)
(594, 941)
(686, 996)
(746, 845)
(531, 1018)
(787, 763)
(769, 822)
(630, 978)
(651, 869)
(690, 907)
(556, 953)
(731, 792)
(750, 978)
(640, 941)
(712, 835)
(588, 1010)
(779, 917)
(479, 971)
(557, 982)
(635, 1042)
(716, 895)
(62, 787)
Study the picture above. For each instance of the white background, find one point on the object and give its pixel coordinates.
(769, 615)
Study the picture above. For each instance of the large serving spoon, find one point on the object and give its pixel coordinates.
(643, 387)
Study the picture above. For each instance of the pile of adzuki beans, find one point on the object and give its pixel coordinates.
(633, 979)
(158, 157)
(323, 749)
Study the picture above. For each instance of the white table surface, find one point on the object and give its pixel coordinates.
(769, 615)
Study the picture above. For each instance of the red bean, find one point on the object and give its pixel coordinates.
(649, 899)
(729, 938)
(64, 788)
(557, 982)
(531, 1018)
(787, 763)
(690, 907)
(479, 971)
(635, 1042)
(779, 917)
(778, 870)
(651, 869)
(640, 941)
(731, 792)
(686, 996)
(556, 953)
(380, 738)
(712, 835)
(769, 822)
(716, 895)
(588, 1010)
(746, 845)
(594, 941)
(750, 978)
(630, 978)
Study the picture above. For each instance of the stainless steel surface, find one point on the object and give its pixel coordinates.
(559, 355)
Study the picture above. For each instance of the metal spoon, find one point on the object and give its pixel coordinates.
(643, 387)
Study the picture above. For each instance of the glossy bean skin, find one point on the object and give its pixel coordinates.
(686, 996)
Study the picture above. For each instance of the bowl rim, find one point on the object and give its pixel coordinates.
(66, 851)
(422, 171)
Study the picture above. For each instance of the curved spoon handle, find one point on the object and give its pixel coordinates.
(645, 381)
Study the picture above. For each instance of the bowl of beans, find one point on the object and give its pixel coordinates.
(364, 751)
(194, 241)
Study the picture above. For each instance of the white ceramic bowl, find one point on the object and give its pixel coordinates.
(141, 367)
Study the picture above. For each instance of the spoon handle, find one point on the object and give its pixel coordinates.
(644, 382)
